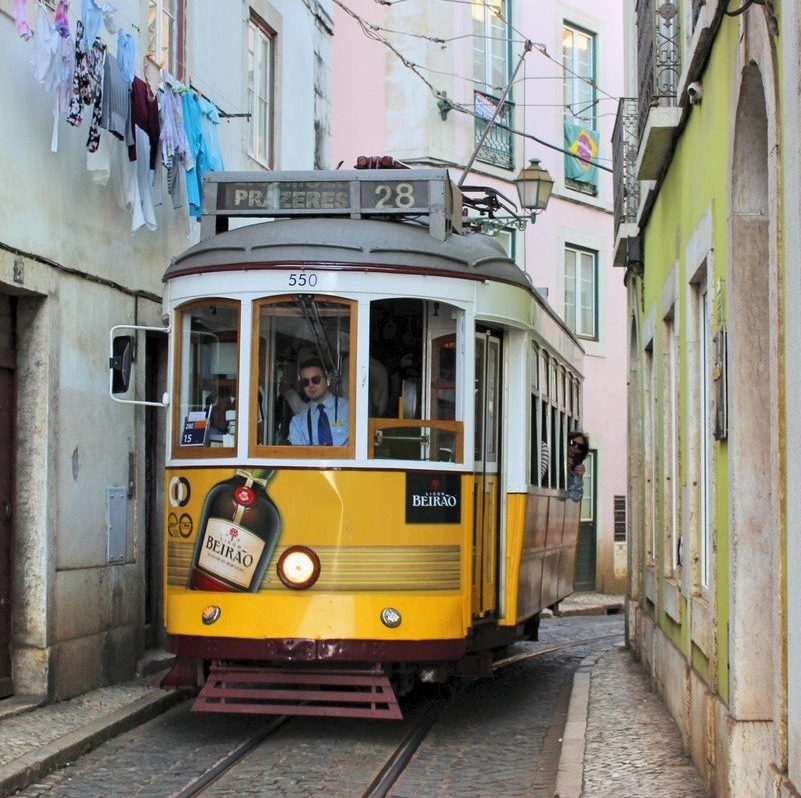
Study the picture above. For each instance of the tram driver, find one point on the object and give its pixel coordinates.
(324, 421)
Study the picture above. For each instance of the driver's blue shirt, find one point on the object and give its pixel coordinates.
(336, 409)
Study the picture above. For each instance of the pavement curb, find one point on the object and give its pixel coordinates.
(570, 776)
(29, 768)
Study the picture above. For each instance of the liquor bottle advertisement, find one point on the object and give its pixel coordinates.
(237, 534)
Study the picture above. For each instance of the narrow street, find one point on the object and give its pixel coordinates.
(499, 736)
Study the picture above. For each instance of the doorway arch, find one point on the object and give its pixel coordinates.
(754, 317)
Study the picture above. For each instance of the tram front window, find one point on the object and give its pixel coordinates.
(415, 341)
(208, 354)
(303, 349)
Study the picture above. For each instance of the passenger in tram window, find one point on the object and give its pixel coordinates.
(324, 421)
(578, 446)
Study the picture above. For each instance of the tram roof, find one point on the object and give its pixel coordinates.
(385, 245)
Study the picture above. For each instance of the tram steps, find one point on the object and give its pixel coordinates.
(353, 693)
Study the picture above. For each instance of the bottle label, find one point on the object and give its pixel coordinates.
(230, 552)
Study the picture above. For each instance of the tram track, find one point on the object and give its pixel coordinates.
(396, 763)
(515, 658)
(229, 761)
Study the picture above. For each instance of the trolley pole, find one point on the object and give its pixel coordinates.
(526, 49)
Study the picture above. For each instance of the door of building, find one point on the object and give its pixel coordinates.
(7, 449)
(586, 557)
(487, 474)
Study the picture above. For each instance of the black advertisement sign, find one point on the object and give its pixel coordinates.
(433, 498)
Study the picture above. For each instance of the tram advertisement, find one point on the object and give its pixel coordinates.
(227, 528)
(239, 528)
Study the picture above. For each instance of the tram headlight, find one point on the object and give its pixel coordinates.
(298, 567)
(210, 614)
(390, 617)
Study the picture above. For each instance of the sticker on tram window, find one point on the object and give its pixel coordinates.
(302, 280)
(195, 428)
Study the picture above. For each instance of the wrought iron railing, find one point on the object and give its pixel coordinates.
(625, 144)
(497, 147)
(658, 61)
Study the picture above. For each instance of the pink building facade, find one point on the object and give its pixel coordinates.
(418, 79)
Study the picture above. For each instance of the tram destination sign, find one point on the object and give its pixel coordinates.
(316, 197)
(291, 195)
(353, 193)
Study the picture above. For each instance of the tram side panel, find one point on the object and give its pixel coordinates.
(542, 535)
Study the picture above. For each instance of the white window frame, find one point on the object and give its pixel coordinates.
(576, 83)
(670, 394)
(649, 437)
(166, 13)
(488, 47)
(704, 438)
(572, 312)
(260, 90)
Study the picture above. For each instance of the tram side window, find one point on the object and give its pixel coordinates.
(414, 368)
(208, 355)
(302, 339)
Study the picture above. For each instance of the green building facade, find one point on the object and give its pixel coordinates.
(705, 232)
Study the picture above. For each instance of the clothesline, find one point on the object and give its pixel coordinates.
(223, 114)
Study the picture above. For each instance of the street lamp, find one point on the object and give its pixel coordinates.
(534, 185)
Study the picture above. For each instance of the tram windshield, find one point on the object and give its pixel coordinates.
(295, 335)
(304, 364)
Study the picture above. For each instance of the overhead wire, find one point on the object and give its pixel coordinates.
(370, 32)
(523, 38)
(542, 50)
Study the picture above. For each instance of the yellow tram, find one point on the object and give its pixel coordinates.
(304, 576)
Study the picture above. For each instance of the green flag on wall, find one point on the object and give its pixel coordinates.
(583, 143)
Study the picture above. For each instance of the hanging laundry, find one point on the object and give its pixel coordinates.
(116, 103)
(92, 18)
(210, 120)
(151, 73)
(62, 20)
(46, 51)
(53, 66)
(126, 55)
(21, 19)
(110, 18)
(145, 115)
(98, 163)
(61, 101)
(173, 137)
(128, 189)
(200, 120)
(145, 188)
(175, 153)
(87, 84)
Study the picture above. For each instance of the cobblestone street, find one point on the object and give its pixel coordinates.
(499, 737)
(633, 747)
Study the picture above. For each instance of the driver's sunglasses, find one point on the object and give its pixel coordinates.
(315, 380)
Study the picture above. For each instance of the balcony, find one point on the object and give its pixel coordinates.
(658, 68)
(497, 147)
(625, 146)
